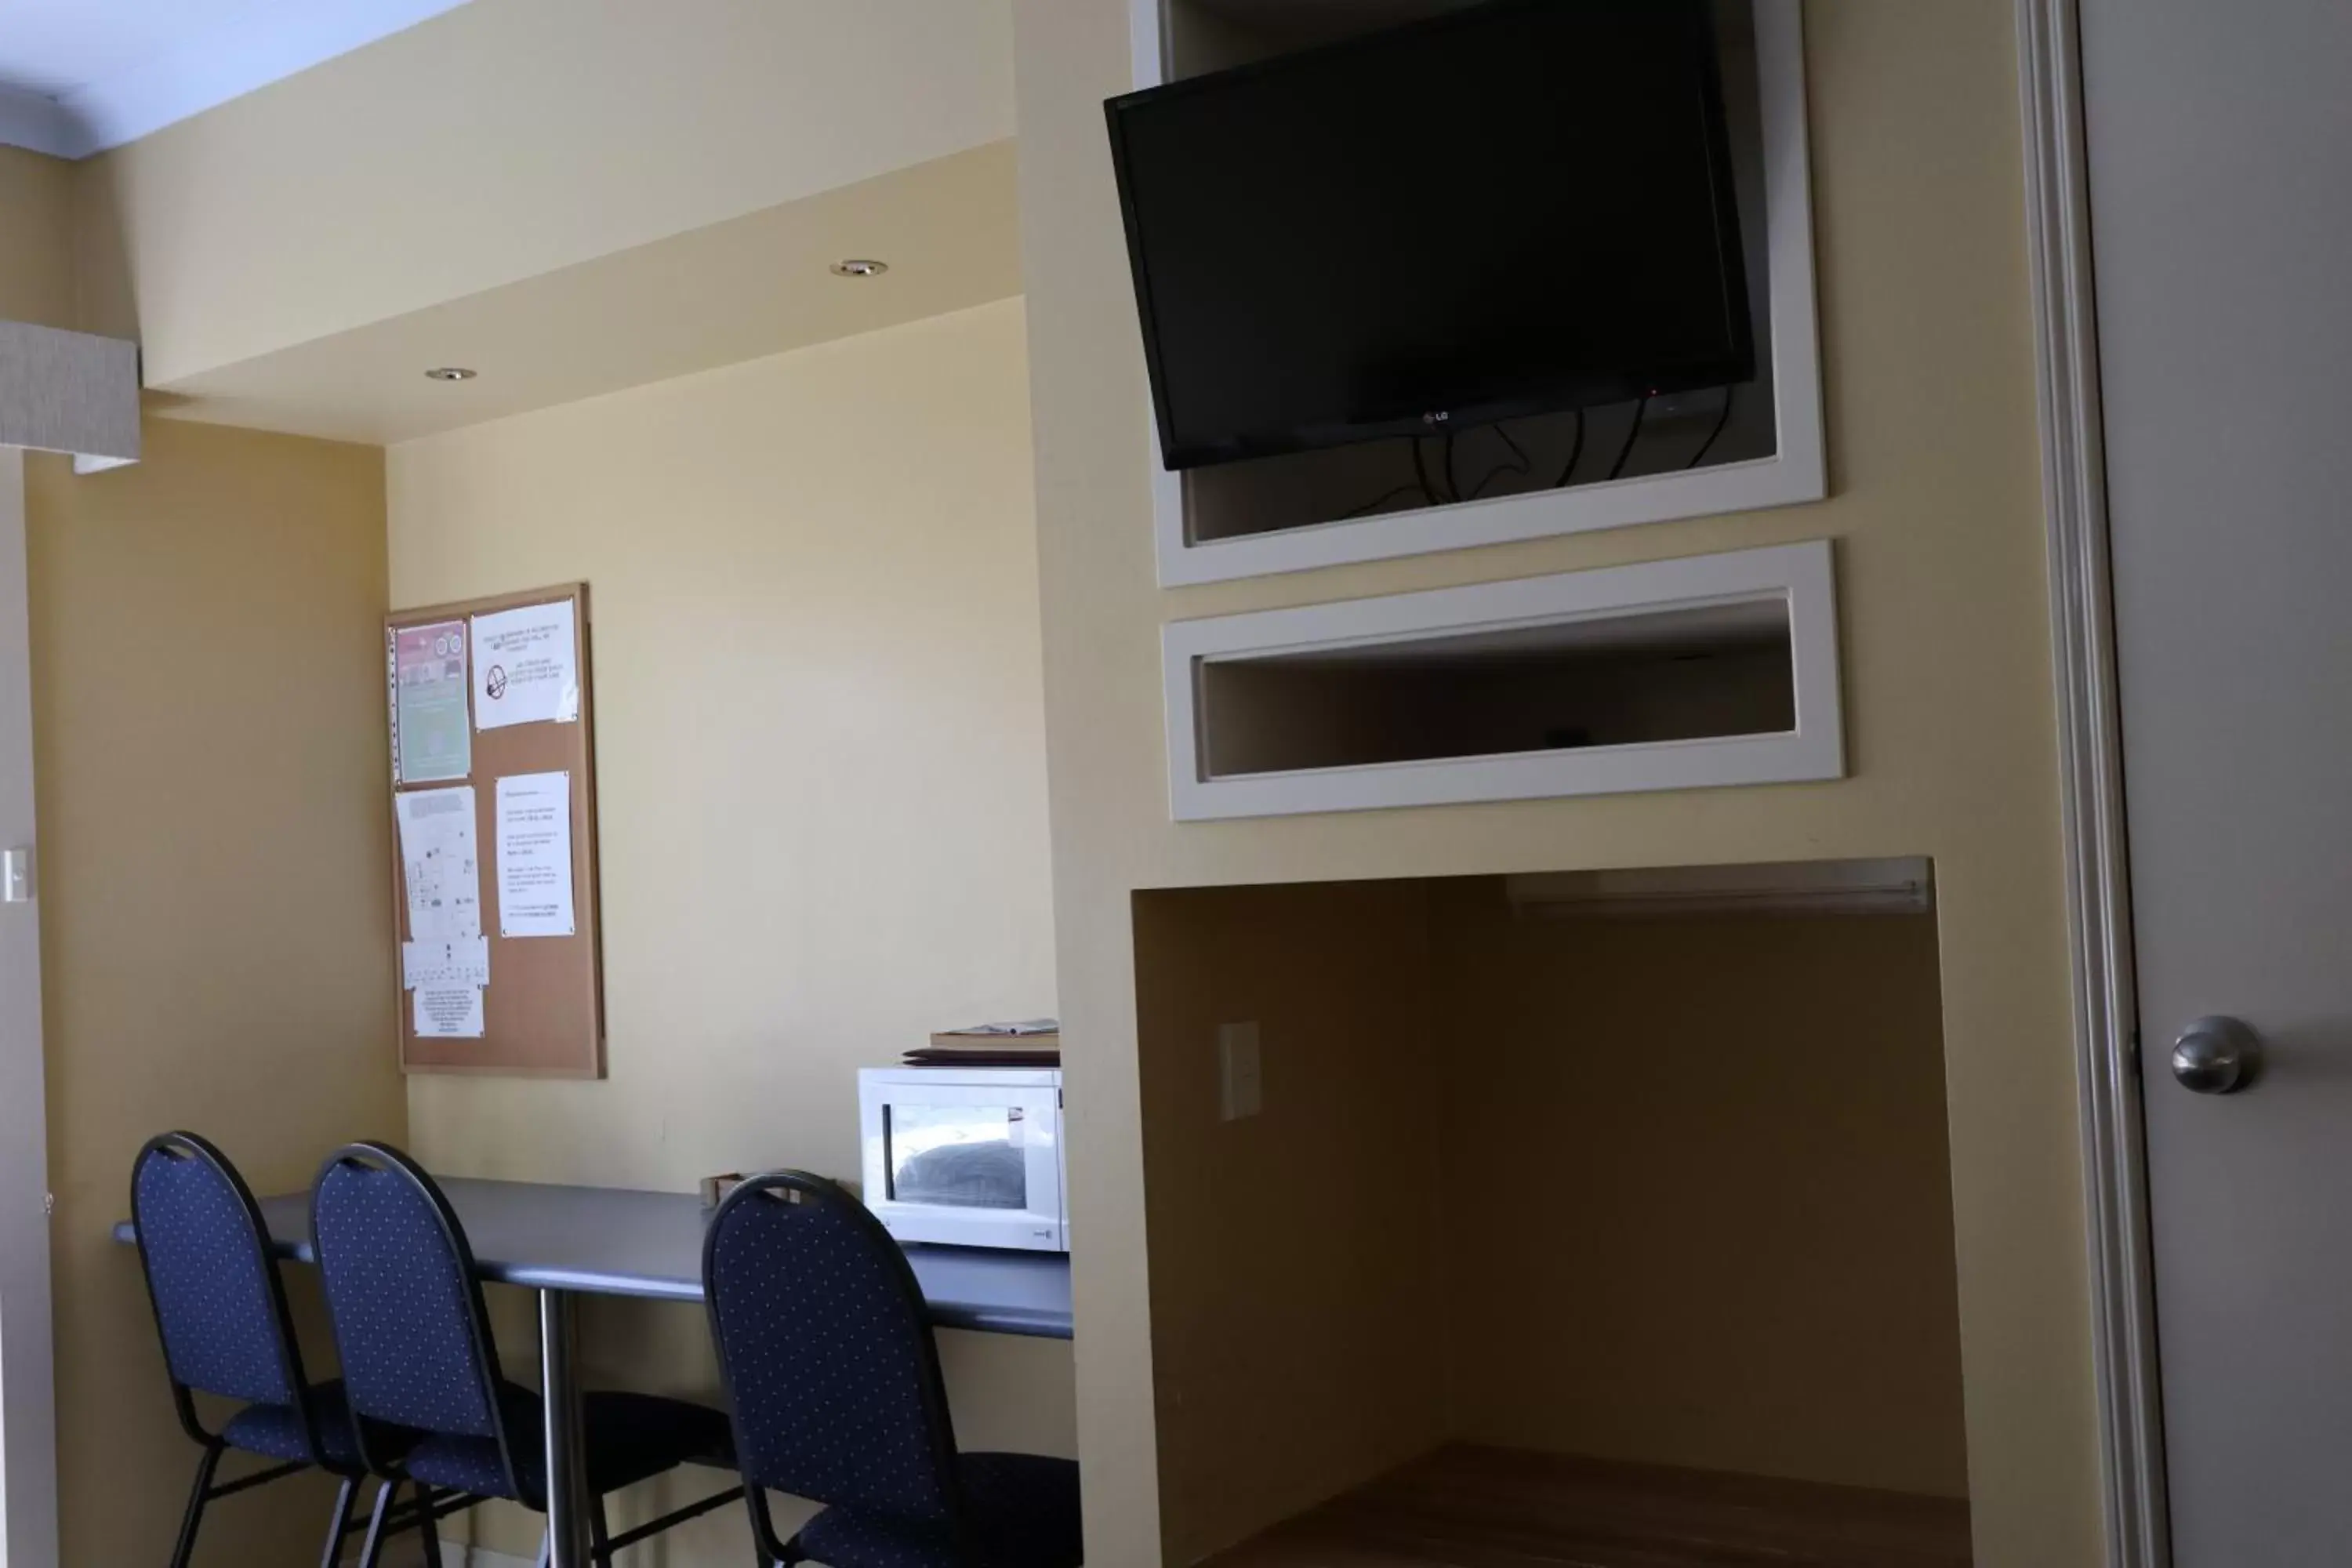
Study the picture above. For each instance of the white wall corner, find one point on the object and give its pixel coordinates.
(36, 123)
(264, 42)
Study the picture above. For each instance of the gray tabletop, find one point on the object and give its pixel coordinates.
(605, 1241)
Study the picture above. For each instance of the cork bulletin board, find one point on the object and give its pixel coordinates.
(493, 803)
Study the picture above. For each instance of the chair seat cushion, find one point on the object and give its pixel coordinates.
(1022, 1511)
(628, 1437)
(276, 1431)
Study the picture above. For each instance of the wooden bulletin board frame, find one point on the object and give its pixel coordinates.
(543, 1012)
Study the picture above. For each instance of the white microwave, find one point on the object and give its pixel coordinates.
(966, 1156)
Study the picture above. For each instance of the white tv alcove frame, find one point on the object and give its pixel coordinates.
(1802, 578)
(1796, 472)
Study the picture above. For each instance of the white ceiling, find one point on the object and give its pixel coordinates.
(77, 76)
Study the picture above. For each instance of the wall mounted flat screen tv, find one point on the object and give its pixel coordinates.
(1515, 209)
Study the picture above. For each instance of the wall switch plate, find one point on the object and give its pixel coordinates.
(16, 875)
(1241, 1082)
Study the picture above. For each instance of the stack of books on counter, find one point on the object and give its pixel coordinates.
(1029, 1043)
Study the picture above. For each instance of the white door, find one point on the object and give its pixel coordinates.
(2219, 143)
(28, 1465)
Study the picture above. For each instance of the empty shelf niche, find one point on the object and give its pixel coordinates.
(1713, 670)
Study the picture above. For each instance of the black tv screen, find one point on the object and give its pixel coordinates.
(1514, 209)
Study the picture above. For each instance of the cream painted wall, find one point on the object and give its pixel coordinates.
(1666, 1191)
(1301, 1277)
(743, 289)
(507, 139)
(37, 274)
(210, 754)
(1935, 511)
(1698, 1193)
(820, 770)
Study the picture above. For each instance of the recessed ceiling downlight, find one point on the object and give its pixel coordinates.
(860, 266)
(450, 373)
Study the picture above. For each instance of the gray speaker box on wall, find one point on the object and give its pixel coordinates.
(69, 391)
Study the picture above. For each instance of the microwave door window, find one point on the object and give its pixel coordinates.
(958, 1156)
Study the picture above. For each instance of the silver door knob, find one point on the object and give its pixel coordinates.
(2216, 1056)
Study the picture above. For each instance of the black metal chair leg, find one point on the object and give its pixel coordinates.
(346, 1495)
(372, 1552)
(766, 1548)
(429, 1526)
(196, 1513)
(600, 1535)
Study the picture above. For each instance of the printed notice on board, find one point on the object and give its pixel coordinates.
(525, 667)
(437, 862)
(431, 740)
(425, 965)
(535, 854)
(448, 1012)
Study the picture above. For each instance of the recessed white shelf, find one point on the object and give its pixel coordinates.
(1360, 502)
(1709, 670)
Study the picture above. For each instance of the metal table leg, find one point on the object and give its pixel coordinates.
(567, 1473)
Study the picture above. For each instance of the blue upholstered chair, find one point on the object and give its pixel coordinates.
(220, 1310)
(824, 1343)
(407, 1304)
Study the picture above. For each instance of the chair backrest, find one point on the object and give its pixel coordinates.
(220, 1307)
(824, 1345)
(403, 1297)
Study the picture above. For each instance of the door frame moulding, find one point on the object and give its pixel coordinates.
(2098, 908)
(28, 1424)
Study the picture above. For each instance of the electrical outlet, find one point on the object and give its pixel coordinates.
(1240, 1081)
